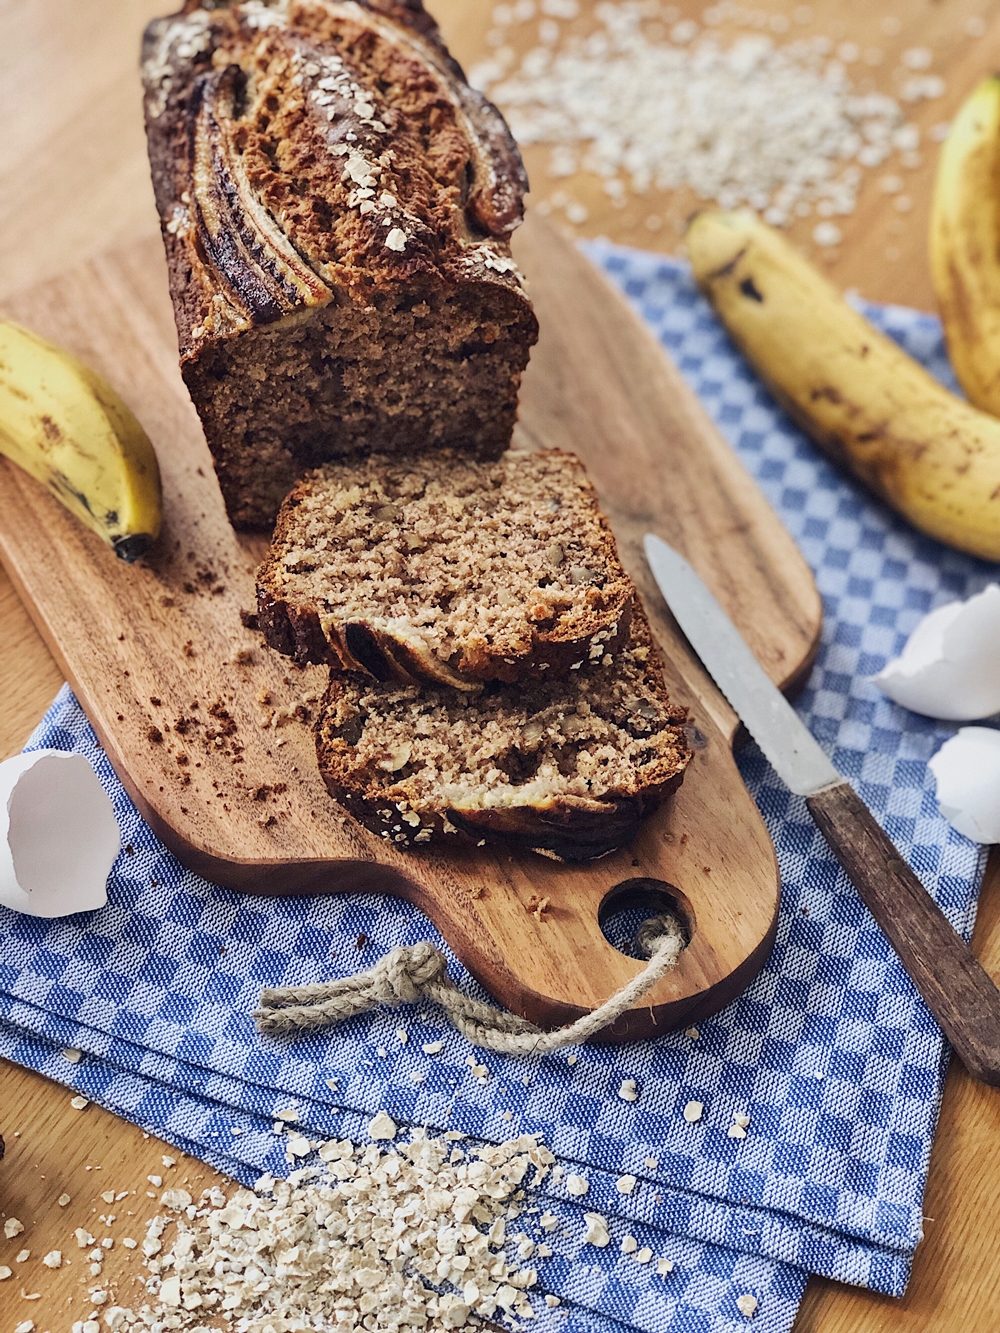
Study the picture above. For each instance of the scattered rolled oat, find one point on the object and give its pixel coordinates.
(22, 1256)
(432, 1047)
(289, 1113)
(157, 1181)
(78, 1103)
(12, 1227)
(741, 1118)
(625, 1184)
(83, 1238)
(382, 1127)
(25, 1326)
(664, 1266)
(176, 1200)
(644, 1255)
(5, 1272)
(629, 1245)
(628, 1091)
(169, 1161)
(596, 1232)
(63, 1200)
(651, 1163)
(693, 1112)
(736, 1132)
(53, 1259)
(72, 1056)
(693, 1033)
(577, 1186)
(747, 1305)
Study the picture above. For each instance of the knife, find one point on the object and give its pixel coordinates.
(957, 990)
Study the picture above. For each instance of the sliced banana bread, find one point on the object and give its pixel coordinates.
(336, 204)
(567, 767)
(442, 569)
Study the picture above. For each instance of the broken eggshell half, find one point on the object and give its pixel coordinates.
(950, 666)
(967, 772)
(58, 834)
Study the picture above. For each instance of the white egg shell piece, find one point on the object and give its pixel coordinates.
(950, 666)
(58, 834)
(967, 772)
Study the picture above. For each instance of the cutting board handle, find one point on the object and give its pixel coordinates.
(958, 991)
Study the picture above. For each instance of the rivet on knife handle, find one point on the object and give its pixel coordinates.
(957, 989)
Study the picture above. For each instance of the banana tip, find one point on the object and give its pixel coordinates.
(133, 546)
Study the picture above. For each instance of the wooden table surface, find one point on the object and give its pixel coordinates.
(74, 182)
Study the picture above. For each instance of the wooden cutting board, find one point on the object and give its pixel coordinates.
(211, 732)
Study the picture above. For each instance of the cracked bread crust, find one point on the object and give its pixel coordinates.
(446, 570)
(567, 768)
(335, 203)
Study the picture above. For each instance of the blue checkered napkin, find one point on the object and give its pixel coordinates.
(830, 1051)
(161, 1062)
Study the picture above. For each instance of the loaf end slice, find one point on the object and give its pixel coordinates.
(565, 767)
(446, 570)
(336, 204)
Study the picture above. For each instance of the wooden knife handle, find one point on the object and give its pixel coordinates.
(959, 993)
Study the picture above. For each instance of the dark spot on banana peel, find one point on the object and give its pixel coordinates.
(729, 266)
(827, 392)
(749, 288)
(51, 429)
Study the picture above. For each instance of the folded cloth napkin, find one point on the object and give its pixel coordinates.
(830, 1052)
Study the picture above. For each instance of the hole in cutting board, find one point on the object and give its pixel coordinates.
(628, 904)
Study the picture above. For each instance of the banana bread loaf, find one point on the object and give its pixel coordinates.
(335, 203)
(444, 569)
(568, 767)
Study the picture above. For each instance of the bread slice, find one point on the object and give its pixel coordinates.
(336, 204)
(567, 767)
(438, 568)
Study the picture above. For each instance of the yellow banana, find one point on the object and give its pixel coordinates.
(66, 426)
(965, 244)
(926, 452)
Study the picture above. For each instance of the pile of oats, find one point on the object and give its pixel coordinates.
(408, 1236)
(645, 101)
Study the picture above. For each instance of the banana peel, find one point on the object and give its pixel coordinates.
(66, 426)
(965, 244)
(929, 454)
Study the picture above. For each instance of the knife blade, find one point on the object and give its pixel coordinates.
(957, 990)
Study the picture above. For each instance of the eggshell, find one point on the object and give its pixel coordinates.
(58, 834)
(967, 772)
(950, 666)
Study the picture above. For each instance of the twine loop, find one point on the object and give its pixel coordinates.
(415, 972)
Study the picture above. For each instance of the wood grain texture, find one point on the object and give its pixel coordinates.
(54, 50)
(958, 991)
(189, 706)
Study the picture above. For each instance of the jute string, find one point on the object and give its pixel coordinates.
(417, 972)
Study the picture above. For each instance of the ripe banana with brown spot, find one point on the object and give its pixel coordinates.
(965, 244)
(67, 427)
(925, 451)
